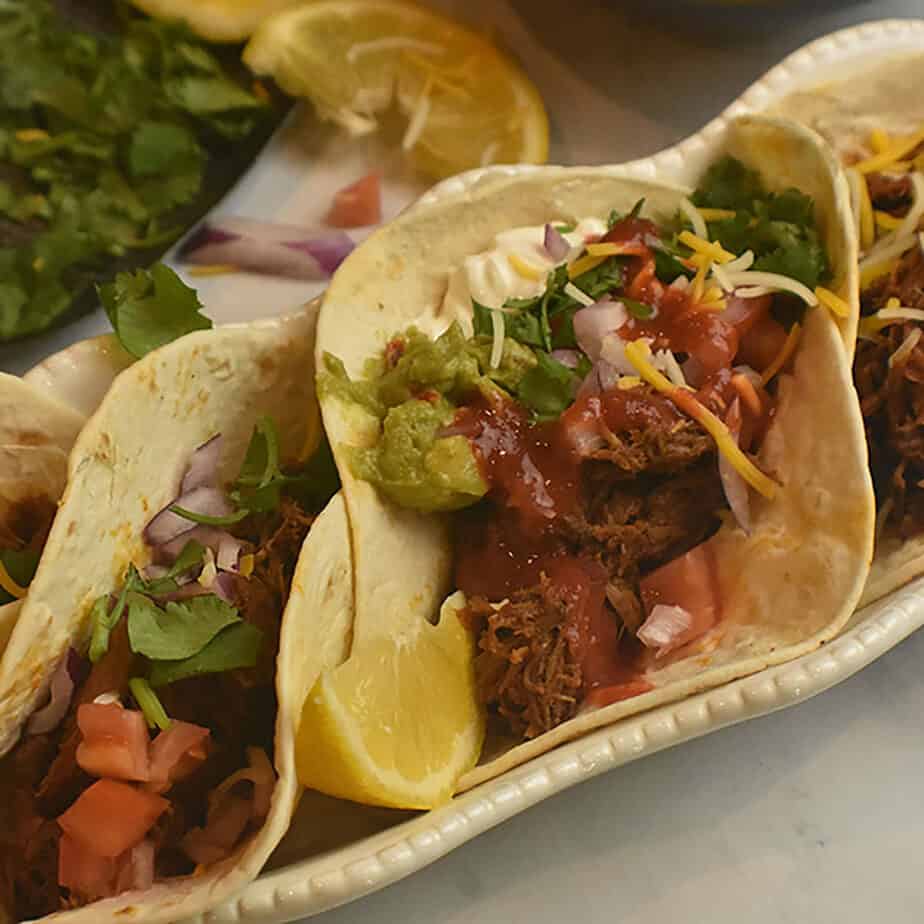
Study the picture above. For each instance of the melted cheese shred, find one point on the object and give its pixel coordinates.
(637, 352)
(9, 585)
(781, 358)
(891, 155)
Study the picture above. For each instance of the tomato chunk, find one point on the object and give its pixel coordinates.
(110, 817)
(177, 752)
(690, 582)
(357, 205)
(114, 742)
(86, 874)
(762, 343)
(744, 313)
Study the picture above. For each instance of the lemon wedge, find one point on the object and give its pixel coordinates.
(463, 103)
(215, 20)
(399, 722)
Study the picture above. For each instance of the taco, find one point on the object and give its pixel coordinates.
(619, 418)
(36, 434)
(148, 689)
(875, 123)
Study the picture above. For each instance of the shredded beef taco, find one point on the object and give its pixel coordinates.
(875, 123)
(148, 688)
(618, 417)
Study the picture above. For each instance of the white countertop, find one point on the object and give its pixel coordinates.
(814, 814)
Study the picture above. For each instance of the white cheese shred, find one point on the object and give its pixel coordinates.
(697, 220)
(578, 294)
(904, 351)
(775, 282)
(497, 345)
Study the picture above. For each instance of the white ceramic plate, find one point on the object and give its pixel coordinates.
(310, 871)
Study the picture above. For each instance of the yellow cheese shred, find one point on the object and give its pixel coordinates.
(867, 221)
(717, 214)
(637, 352)
(524, 269)
(782, 357)
(712, 251)
(211, 269)
(885, 221)
(879, 141)
(9, 585)
(29, 135)
(833, 302)
(246, 566)
(583, 264)
(895, 152)
(871, 273)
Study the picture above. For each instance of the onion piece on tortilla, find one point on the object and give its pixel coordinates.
(203, 465)
(734, 486)
(664, 628)
(596, 321)
(70, 671)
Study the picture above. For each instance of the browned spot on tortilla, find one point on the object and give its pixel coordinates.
(72, 527)
(28, 438)
(27, 522)
(267, 364)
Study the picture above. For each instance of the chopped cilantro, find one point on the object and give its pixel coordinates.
(203, 519)
(779, 227)
(565, 229)
(234, 647)
(105, 143)
(191, 555)
(149, 308)
(149, 704)
(616, 216)
(180, 630)
(548, 388)
(637, 309)
(520, 321)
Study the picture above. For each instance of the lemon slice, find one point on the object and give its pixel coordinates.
(399, 722)
(464, 103)
(215, 20)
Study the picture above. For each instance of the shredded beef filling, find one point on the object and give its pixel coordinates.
(649, 497)
(890, 192)
(40, 777)
(892, 400)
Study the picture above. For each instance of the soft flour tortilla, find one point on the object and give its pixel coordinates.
(36, 435)
(886, 96)
(125, 466)
(787, 588)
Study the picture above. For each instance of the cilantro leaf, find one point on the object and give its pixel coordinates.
(728, 184)
(517, 318)
(548, 388)
(260, 481)
(234, 647)
(149, 704)
(156, 146)
(149, 308)
(191, 555)
(181, 630)
(638, 310)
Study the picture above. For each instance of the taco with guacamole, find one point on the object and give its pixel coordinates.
(148, 688)
(875, 123)
(616, 416)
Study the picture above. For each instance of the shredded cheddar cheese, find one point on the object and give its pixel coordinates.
(873, 271)
(9, 585)
(717, 214)
(885, 221)
(879, 141)
(614, 249)
(246, 566)
(28, 135)
(833, 302)
(747, 393)
(783, 356)
(524, 269)
(637, 352)
(583, 264)
(625, 382)
(211, 269)
(711, 251)
(867, 222)
(893, 153)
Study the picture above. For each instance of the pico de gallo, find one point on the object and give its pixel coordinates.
(888, 191)
(153, 756)
(594, 429)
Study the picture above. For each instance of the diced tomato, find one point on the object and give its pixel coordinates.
(87, 875)
(690, 582)
(176, 753)
(111, 817)
(357, 205)
(114, 742)
(744, 313)
(762, 343)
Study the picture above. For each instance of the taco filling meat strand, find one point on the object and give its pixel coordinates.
(595, 430)
(889, 363)
(153, 757)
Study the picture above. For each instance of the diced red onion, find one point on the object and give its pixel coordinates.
(555, 244)
(224, 586)
(229, 551)
(208, 536)
(155, 572)
(203, 465)
(734, 486)
(593, 323)
(68, 674)
(192, 589)
(664, 628)
(264, 247)
(167, 525)
(569, 358)
(142, 866)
